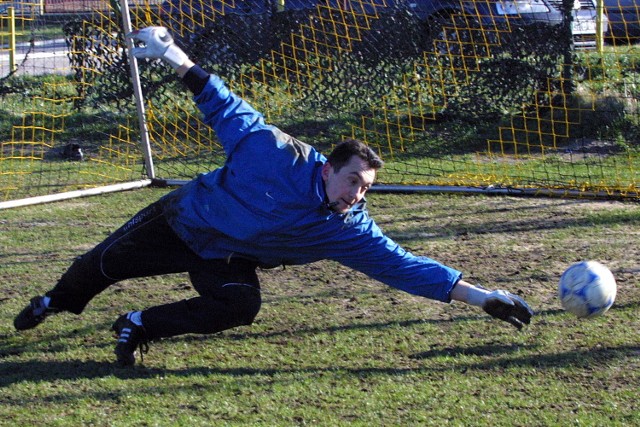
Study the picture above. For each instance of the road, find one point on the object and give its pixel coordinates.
(45, 57)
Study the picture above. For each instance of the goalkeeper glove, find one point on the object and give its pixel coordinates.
(502, 305)
(158, 44)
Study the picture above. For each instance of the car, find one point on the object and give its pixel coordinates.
(437, 14)
(624, 21)
(516, 12)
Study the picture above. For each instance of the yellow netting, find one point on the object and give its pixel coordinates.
(467, 96)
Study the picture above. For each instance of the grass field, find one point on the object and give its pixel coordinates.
(330, 346)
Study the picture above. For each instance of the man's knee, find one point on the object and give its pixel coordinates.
(245, 299)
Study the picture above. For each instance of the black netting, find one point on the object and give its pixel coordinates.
(484, 71)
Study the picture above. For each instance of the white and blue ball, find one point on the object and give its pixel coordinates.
(587, 289)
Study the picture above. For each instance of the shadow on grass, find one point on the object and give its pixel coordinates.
(498, 356)
(43, 372)
(381, 325)
(584, 358)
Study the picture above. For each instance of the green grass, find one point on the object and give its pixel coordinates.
(28, 29)
(330, 346)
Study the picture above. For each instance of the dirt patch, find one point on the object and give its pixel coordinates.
(518, 244)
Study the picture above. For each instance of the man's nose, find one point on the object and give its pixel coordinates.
(356, 194)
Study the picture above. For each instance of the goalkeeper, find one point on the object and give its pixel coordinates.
(276, 201)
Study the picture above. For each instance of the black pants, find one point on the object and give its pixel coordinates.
(229, 290)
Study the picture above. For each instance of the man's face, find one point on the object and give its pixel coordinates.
(348, 185)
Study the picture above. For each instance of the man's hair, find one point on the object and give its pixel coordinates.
(344, 151)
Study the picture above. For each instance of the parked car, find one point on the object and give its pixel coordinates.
(624, 20)
(435, 13)
(519, 12)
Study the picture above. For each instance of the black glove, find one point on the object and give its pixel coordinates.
(508, 307)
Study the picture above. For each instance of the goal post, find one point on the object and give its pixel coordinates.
(145, 143)
(36, 200)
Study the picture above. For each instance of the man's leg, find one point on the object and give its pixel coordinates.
(144, 246)
(229, 297)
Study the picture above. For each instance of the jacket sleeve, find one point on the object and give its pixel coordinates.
(230, 116)
(369, 251)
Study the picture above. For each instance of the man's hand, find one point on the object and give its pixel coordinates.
(499, 304)
(508, 307)
(158, 44)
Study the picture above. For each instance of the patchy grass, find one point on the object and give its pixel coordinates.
(331, 346)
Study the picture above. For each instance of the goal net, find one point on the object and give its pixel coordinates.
(524, 97)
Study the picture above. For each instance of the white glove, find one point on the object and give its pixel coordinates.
(502, 305)
(158, 44)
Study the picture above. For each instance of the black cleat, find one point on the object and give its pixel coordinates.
(129, 337)
(33, 314)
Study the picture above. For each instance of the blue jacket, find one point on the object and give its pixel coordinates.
(268, 203)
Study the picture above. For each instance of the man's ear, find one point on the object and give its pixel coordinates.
(326, 170)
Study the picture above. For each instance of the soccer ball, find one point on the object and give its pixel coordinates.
(587, 289)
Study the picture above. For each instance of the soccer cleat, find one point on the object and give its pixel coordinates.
(33, 314)
(129, 337)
